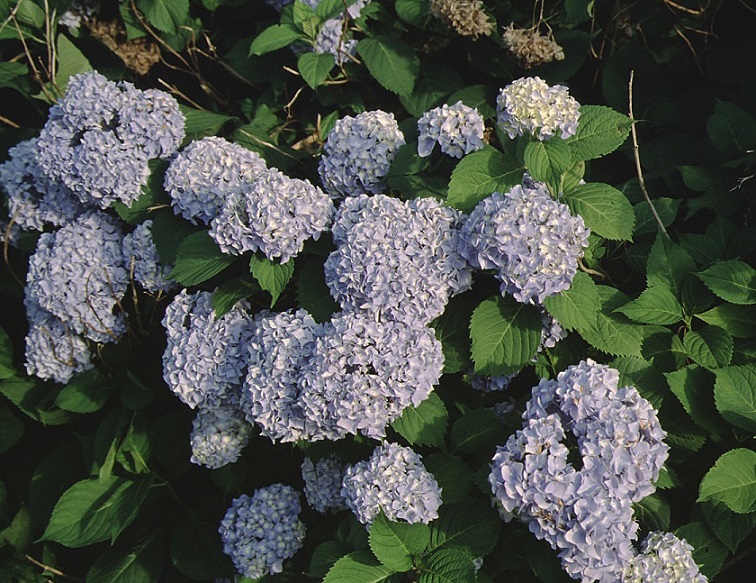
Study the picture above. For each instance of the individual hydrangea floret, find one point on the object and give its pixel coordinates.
(278, 351)
(77, 273)
(34, 200)
(664, 558)
(323, 483)
(99, 138)
(532, 241)
(275, 214)
(395, 481)
(261, 531)
(398, 260)
(206, 356)
(362, 374)
(219, 434)
(205, 173)
(53, 351)
(530, 106)
(358, 153)
(457, 128)
(142, 261)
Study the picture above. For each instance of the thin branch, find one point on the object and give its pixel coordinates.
(9, 122)
(636, 155)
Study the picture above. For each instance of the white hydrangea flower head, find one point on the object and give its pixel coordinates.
(530, 106)
(358, 153)
(395, 481)
(664, 558)
(219, 434)
(323, 483)
(457, 128)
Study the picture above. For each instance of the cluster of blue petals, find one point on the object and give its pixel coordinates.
(457, 129)
(219, 434)
(142, 261)
(322, 483)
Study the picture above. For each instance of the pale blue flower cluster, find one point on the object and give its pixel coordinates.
(457, 128)
(395, 481)
(396, 260)
(77, 273)
(219, 434)
(100, 136)
(205, 173)
(531, 240)
(528, 106)
(358, 153)
(206, 356)
(587, 514)
(323, 481)
(142, 261)
(261, 531)
(273, 213)
(362, 374)
(332, 39)
(664, 558)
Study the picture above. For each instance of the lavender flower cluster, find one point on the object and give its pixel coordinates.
(457, 128)
(142, 261)
(586, 513)
(323, 482)
(334, 37)
(664, 558)
(219, 434)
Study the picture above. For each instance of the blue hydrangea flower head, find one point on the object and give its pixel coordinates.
(205, 173)
(206, 357)
(362, 374)
(358, 153)
(529, 106)
(261, 531)
(532, 241)
(394, 480)
(457, 128)
(219, 434)
(150, 121)
(323, 483)
(142, 261)
(664, 558)
(274, 213)
(397, 260)
(77, 273)
(331, 39)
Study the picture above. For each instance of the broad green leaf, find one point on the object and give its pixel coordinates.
(330, 8)
(732, 481)
(448, 566)
(36, 399)
(732, 130)
(452, 330)
(391, 61)
(271, 275)
(576, 307)
(313, 294)
(165, 15)
(548, 161)
(196, 549)
(735, 395)
(230, 292)
(94, 510)
(324, 557)
(397, 543)
(706, 178)
(7, 369)
(435, 82)
(168, 232)
(453, 476)
(198, 258)
(601, 130)
(480, 174)
(668, 265)
(645, 221)
(56, 472)
(411, 11)
(11, 428)
(424, 424)
(605, 210)
(141, 563)
(708, 553)
(273, 38)
(578, 10)
(71, 61)
(710, 346)
(473, 526)
(86, 393)
(656, 305)
(18, 533)
(644, 376)
(696, 297)
(476, 429)
(739, 321)
(478, 96)
(314, 67)
(613, 333)
(652, 513)
(694, 388)
(733, 281)
(200, 123)
(730, 528)
(358, 567)
(505, 335)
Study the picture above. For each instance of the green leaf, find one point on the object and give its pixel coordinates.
(643, 375)
(735, 395)
(271, 275)
(710, 346)
(733, 281)
(36, 399)
(730, 528)
(452, 330)
(645, 222)
(453, 476)
(71, 61)
(668, 265)
(168, 232)
(471, 525)
(331, 8)
(314, 67)
(656, 305)
(200, 122)
(411, 11)
(198, 258)
(576, 307)
(11, 429)
(606, 211)
(230, 292)
(196, 549)
(739, 321)
(397, 543)
(424, 424)
(448, 566)
(273, 38)
(141, 563)
(478, 96)
(613, 333)
(708, 553)
(694, 388)
(165, 15)
(476, 429)
(732, 130)
(601, 130)
(324, 557)
(358, 567)
(706, 178)
(391, 61)
(548, 161)
(95, 510)
(86, 393)
(652, 513)
(313, 294)
(480, 174)
(505, 335)
(18, 533)
(435, 82)
(732, 481)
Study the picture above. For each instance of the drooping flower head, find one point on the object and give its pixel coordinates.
(141, 259)
(457, 128)
(219, 434)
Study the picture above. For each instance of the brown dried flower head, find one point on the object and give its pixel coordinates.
(530, 47)
(467, 17)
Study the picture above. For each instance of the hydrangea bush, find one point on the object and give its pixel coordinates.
(391, 290)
